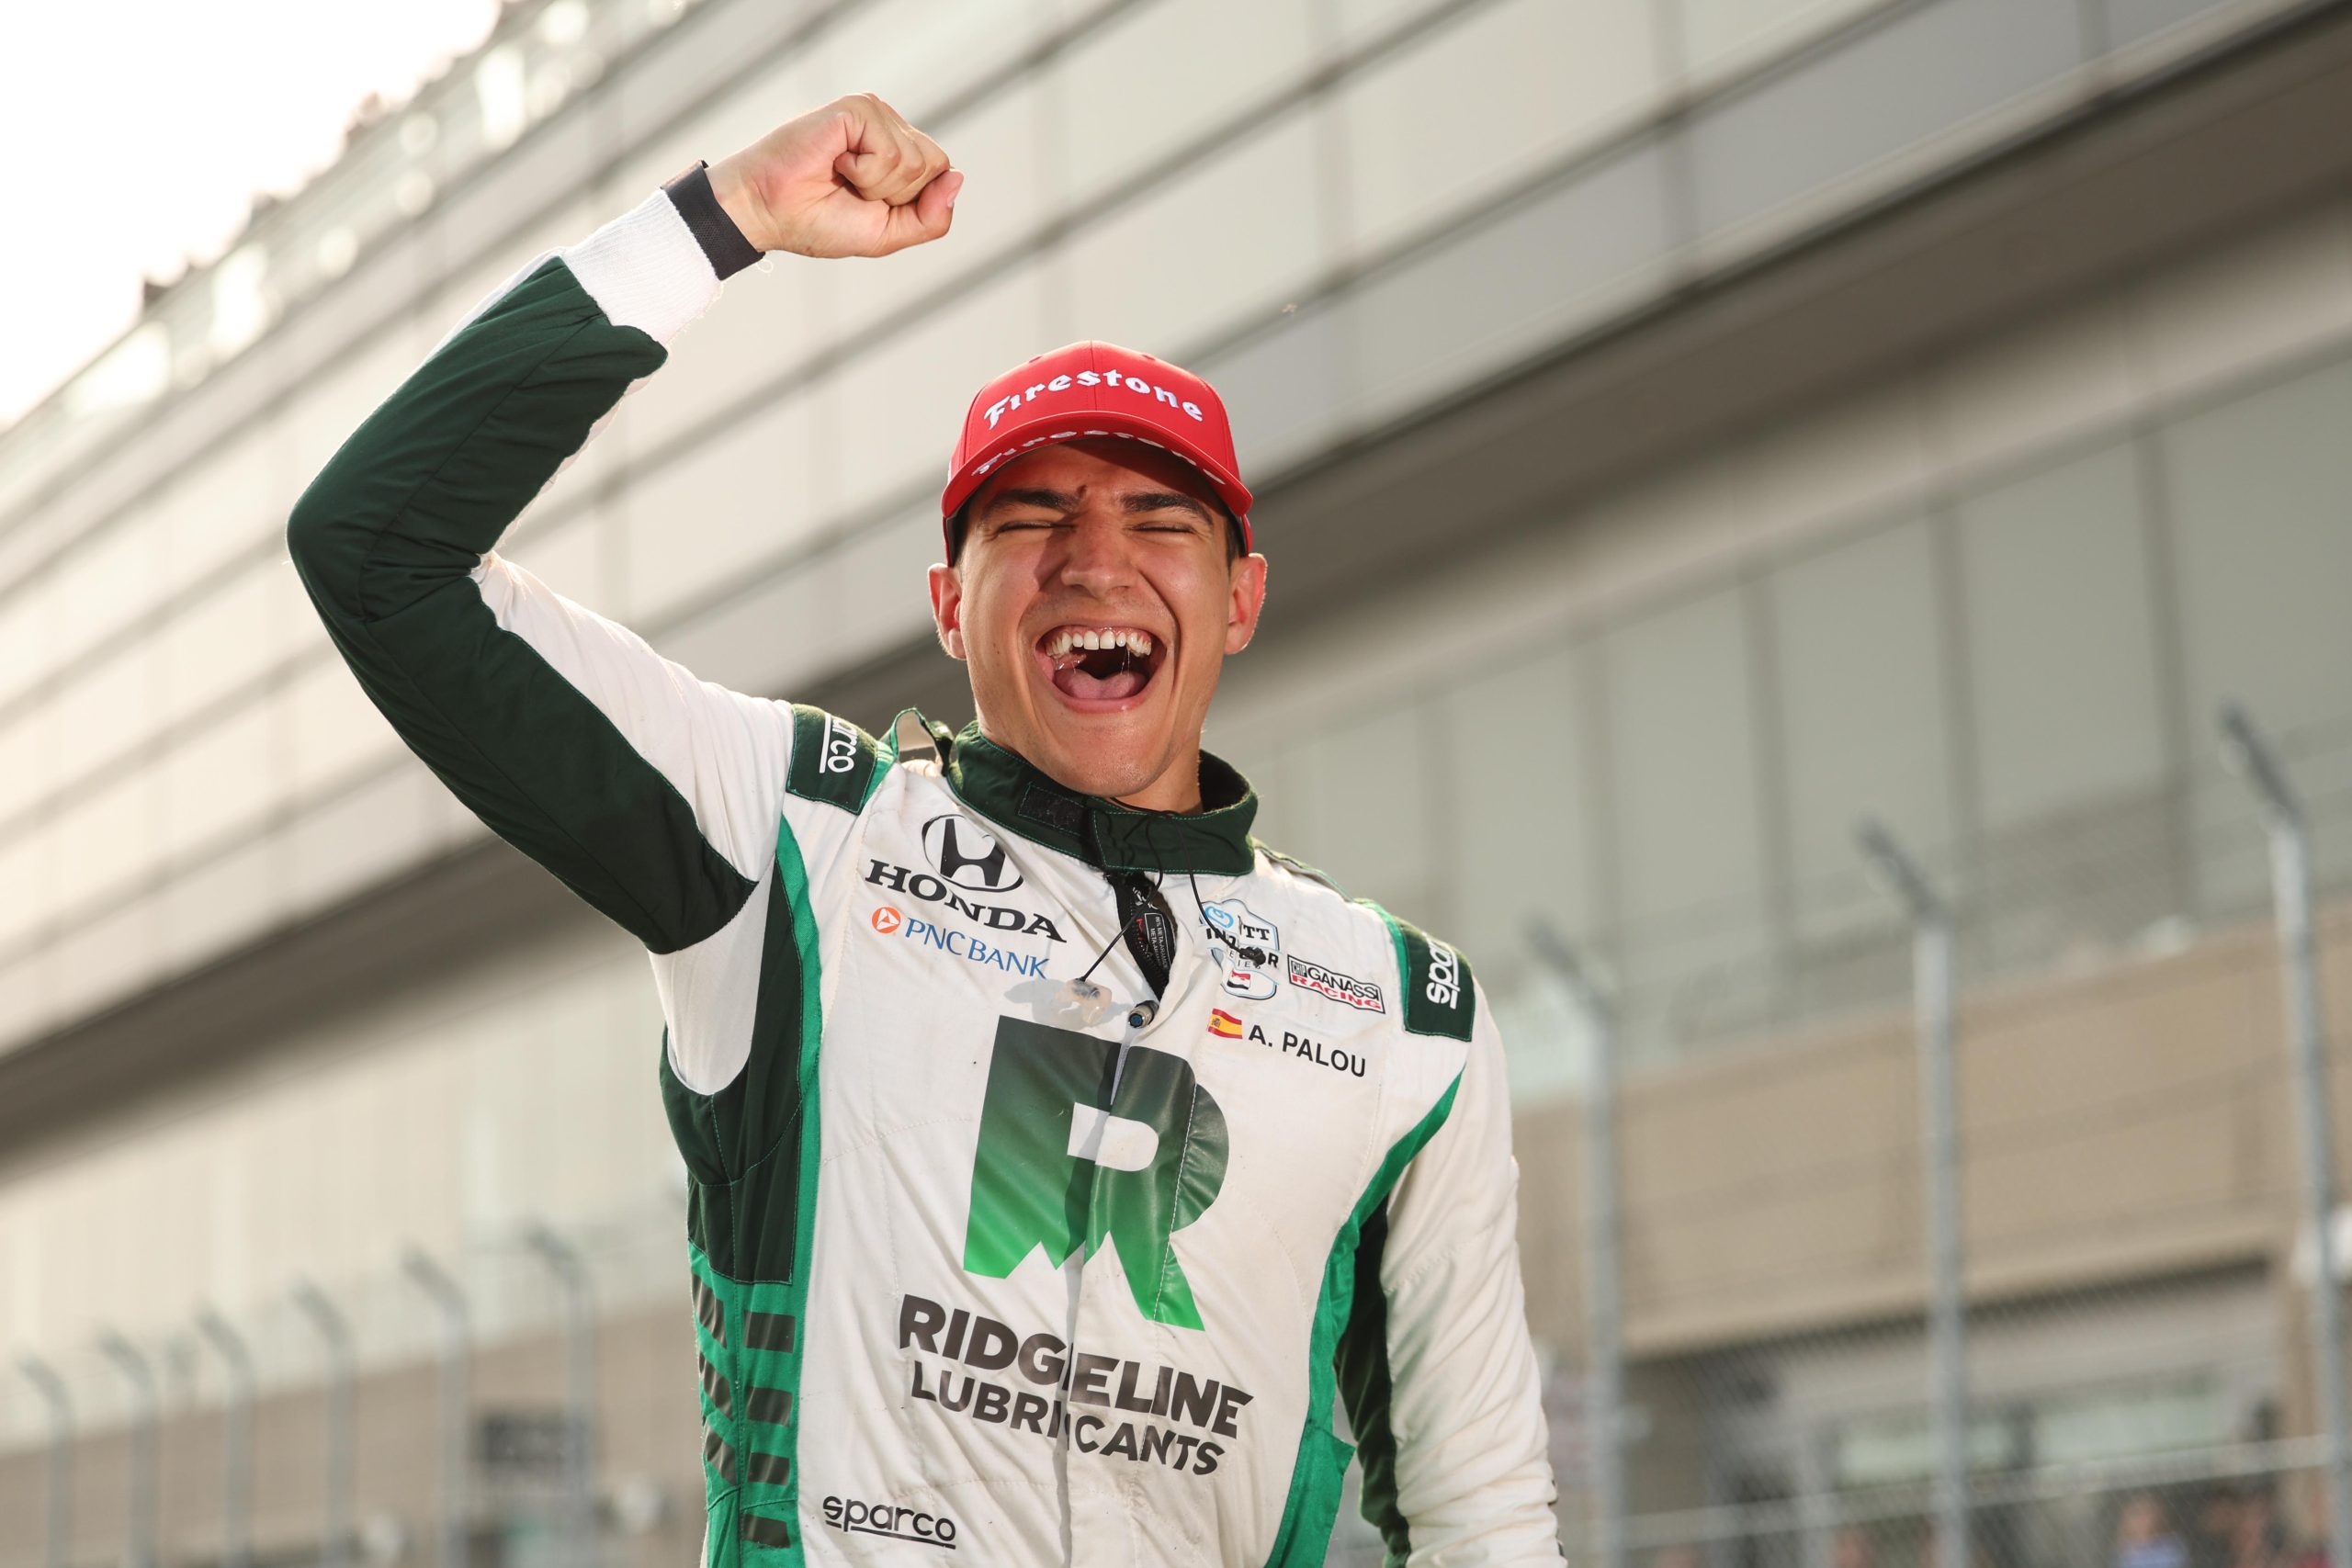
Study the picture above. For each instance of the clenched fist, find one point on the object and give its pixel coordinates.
(851, 179)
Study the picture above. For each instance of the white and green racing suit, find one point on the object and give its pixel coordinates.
(968, 1276)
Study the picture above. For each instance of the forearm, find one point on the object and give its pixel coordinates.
(638, 786)
(1466, 1477)
(435, 474)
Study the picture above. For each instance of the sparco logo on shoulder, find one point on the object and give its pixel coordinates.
(968, 855)
(841, 747)
(932, 890)
(1444, 983)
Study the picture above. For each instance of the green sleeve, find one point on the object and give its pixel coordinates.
(566, 733)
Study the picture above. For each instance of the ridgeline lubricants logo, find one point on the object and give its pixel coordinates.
(1031, 1189)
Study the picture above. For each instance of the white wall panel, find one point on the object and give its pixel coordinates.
(1683, 767)
(104, 838)
(2270, 295)
(895, 411)
(1001, 145)
(101, 586)
(1893, 100)
(1484, 301)
(23, 772)
(1463, 112)
(915, 54)
(1856, 634)
(1237, 235)
(23, 620)
(358, 836)
(2063, 652)
(1720, 37)
(104, 710)
(224, 503)
(1360, 22)
(24, 877)
(222, 902)
(699, 521)
(224, 640)
(766, 325)
(224, 777)
(1514, 743)
(1162, 73)
(334, 730)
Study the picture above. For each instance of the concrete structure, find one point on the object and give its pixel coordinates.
(1683, 426)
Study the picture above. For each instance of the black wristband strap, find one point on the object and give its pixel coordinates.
(720, 239)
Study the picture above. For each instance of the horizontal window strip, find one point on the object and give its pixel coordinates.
(709, 1313)
(767, 1470)
(773, 1406)
(760, 1530)
(767, 1330)
(720, 1457)
(713, 1384)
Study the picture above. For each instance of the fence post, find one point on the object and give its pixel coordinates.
(2245, 754)
(1933, 964)
(334, 1333)
(57, 1511)
(236, 1440)
(456, 1346)
(1605, 1370)
(139, 1551)
(571, 1270)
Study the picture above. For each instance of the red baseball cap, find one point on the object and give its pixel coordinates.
(1096, 388)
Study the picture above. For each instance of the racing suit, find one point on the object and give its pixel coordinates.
(967, 1273)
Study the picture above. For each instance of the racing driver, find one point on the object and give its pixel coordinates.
(1060, 1157)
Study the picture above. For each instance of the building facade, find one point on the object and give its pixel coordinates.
(1683, 427)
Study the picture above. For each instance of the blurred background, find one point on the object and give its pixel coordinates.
(1684, 430)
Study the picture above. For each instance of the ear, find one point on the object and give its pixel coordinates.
(1245, 600)
(947, 608)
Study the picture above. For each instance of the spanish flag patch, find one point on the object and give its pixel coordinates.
(1224, 1025)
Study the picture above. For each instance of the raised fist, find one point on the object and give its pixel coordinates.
(851, 179)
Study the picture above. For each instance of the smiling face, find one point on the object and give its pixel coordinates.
(1094, 601)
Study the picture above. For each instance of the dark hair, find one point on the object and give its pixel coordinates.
(962, 520)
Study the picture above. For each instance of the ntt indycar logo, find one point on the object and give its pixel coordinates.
(849, 1514)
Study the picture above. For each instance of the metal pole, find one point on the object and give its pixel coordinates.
(1933, 965)
(1605, 1373)
(2247, 755)
(57, 1513)
(236, 1438)
(456, 1346)
(571, 1270)
(139, 1551)
(334, 1333)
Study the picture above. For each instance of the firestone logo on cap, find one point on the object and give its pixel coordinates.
(1063, 383)
(1097, 388)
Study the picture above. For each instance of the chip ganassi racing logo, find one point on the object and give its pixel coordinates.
(1309, 975)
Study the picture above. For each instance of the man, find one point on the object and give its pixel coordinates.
(1057, 1151)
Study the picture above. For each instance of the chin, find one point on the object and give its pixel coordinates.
(1090, 762)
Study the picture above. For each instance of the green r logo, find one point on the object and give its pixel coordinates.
(1068, 1157)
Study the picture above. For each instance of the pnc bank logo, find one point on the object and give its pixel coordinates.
(1066, 1160)
(967, 854)
(888, 921)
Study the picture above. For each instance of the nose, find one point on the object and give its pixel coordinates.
(1097, 559)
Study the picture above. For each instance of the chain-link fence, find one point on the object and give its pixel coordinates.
(2022, 1279)
(1736, 1257)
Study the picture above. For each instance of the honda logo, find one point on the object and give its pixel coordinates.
(968, 855)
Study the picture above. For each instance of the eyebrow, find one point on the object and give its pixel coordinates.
(1133, 505)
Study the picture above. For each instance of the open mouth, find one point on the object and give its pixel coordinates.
(1100, 667)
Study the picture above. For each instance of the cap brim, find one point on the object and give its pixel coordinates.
(1027, 435)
